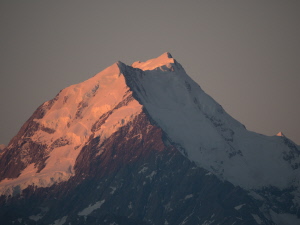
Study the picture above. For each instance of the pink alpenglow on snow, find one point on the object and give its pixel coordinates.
(280, 134)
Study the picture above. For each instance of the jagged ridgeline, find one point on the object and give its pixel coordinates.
(144, 144)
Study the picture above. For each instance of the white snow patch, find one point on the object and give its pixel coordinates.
(130, 205)
(113, 189)
(143, 170)
(151, 175)
(188, 196)
(36, 217)
(40, 215)
(30, 177)
(257, 219)
(187, 218)
(208, 222)
(60, 221)
(91, 208)
(239, 207)
(284, 218)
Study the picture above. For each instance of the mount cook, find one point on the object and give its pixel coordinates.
(144, 144)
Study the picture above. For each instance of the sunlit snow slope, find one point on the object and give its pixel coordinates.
(66, 124)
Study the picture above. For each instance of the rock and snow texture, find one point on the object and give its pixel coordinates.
(200, 127)
(190, 119)
(73, 116)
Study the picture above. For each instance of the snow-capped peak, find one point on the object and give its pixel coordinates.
(280, 134)
(203, 131)
(195, 123)
(165, 60)
(68, 121)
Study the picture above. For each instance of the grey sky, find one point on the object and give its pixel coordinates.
(245, 54)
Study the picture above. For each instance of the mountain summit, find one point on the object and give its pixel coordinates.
(280, 134)
(144, 144)
(165, 60)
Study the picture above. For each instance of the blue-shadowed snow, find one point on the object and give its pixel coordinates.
(284, 218)
(204, 132)
(60, 221)
(87, 211)
(239, 207)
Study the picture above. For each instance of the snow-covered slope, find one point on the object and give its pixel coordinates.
(67, 124)
(206, 133)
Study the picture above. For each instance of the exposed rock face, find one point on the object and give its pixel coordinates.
(22, 150)
(143, 144)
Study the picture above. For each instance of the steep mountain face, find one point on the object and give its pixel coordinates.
(49, 142)
(144, 144)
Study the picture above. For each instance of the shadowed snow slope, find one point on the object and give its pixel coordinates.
(206, 133)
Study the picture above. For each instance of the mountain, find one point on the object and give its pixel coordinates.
(144, 144)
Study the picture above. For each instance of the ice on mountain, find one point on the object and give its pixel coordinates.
(113, 189)
(87, 211)
(60, 221)
(257, 219)
(36, 217)
(284, 218)
(151, 175)
(188, 196)
(205, 133)
(239, 207)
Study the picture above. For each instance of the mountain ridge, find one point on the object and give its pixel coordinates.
(212, 112)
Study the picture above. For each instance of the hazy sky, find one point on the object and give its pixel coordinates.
(245, 54)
